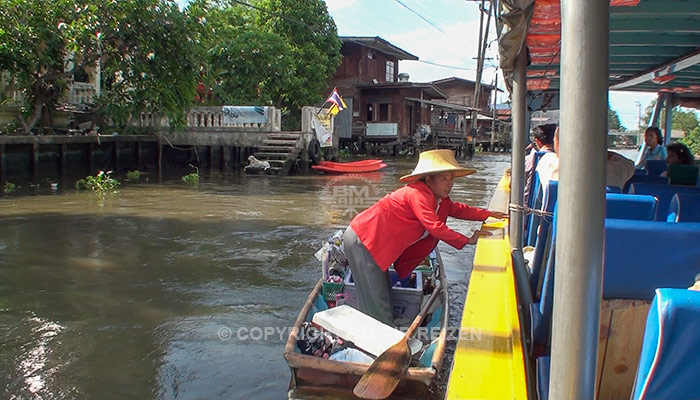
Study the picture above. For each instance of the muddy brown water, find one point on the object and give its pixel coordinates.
(170, 291)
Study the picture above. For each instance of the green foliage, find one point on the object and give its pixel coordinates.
(614, 120)
(193, 178)
(684, 120)
(101, 183)
(344, 152)
(133, 175)
(692, 140)
(142, 46)
(9, 187)
(277, 53)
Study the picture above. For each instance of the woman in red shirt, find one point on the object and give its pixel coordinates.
(404, 226)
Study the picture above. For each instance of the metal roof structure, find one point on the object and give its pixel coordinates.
(654, 45)
(381, 45)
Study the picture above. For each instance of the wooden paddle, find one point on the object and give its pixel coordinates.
(386, 371)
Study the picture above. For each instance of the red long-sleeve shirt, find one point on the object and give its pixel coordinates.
(393, 228)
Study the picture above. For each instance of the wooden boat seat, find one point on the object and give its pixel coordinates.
(685, 207)
(668, 364)
(663, 193)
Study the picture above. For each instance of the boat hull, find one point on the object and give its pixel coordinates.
(315, 377)
(353, 167)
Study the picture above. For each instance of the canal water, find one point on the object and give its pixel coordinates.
(170, 291)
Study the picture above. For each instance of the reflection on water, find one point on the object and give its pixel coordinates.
(159, 291)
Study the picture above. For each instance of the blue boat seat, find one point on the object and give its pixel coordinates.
(630, 206)
(685, 207)
(655, 167)
(659, 180)
(613, 189)
(641, 256)
(640, 171)
(542, 371)
(532, 220)
(669, 362)
(683, 175)
(543, 238)
(663, 194)
(541, 312)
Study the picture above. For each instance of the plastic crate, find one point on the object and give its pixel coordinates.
(330, 289)
(405, 301)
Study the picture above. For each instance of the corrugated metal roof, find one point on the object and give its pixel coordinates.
(654, 46)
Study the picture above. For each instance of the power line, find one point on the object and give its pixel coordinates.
(421, 17)
(452, 66)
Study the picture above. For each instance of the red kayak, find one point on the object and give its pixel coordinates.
(350, 167)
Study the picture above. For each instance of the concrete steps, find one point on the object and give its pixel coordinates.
(281, 151)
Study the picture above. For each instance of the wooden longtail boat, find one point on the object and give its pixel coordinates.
(316, 377)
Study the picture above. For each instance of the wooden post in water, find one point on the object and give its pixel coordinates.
(210, 151)
(115, 156)
(91, 158)
(35, 161)
(61, 160)
(137, 154)
(160, 157)
(3, 163)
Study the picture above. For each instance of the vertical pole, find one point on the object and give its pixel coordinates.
(668, 120)
(3, 163)
(62, 160)
(35, 162)
(115, 156)
(517, 174)
(493, 112)
(160, 157)
(137, 150)
(91, 158)
(581, 205)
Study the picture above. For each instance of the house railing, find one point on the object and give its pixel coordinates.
(214, 118)
(82, 93)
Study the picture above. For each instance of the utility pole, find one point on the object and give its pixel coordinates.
(483, 40)
(493, 116)
(639, 122)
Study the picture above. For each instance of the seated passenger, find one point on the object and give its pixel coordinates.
(619, 170)
(655, 149)
(548, 167)
(678, 154)
(544, 141)
(696, 286)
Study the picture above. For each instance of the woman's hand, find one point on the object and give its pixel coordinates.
(475, 236)
(498, 214)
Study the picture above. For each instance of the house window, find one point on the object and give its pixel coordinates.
(370, 112)
(390, 71)
(384, 111)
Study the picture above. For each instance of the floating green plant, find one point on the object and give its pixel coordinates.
(133, 175)
(193, 178)
(9, 187)
(101, 183)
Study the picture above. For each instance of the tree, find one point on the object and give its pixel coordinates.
(272, 52)
(680, 119)
(692, 140)
(614, 120)
(141, 46)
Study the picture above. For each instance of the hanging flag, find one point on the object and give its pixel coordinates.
(337, 102)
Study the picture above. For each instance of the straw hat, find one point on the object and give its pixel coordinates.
(435, 161)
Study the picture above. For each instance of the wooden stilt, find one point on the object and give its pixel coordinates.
(115, 156)
(91, 158)
(160, 157)
(35, 161)
(137, 154)
(3, 163)
(61, 160)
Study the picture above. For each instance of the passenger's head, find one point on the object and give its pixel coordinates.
(678, 153)
(544, 135)
(652, 137)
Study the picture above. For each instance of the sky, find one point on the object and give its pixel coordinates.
(444, 32)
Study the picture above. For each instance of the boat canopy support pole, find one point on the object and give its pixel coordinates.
(581, 205)
(668, 118)
(517, 172)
